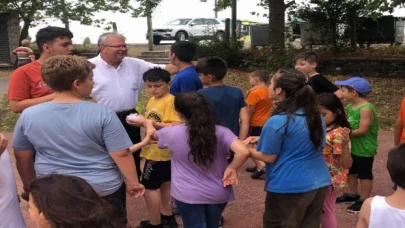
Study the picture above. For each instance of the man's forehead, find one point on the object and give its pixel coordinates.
(114, 39)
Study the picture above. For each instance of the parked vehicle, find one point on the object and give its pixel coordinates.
(186, 28)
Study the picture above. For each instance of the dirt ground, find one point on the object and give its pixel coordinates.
(246, 211)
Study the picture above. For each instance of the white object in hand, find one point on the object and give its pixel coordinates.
(133, 117)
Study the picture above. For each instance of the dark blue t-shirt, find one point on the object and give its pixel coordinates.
(227, 102)
(186, 80)
(299, 167)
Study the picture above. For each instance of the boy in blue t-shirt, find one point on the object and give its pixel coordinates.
(229, 106)
(186, 80)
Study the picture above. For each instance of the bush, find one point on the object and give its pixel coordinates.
(230, 52)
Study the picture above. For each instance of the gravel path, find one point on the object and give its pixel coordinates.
(4, 85)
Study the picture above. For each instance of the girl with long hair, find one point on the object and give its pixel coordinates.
(57, 201)
(336, 152)
(291, 145)
(201, 175)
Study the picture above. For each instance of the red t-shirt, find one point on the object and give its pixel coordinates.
(26, 83)
(402, 115)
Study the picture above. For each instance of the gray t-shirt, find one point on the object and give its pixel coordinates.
(74, 139)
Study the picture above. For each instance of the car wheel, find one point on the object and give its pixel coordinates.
(220, 36)
(156, 41)
(181, 36)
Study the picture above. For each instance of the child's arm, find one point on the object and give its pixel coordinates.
(144, 142)
(364, 216)
(162, 125)
(251, 109)
(244, 123)
(241, 155)
(366, 120)
(346, 159)
(267, 158)
(398, 131)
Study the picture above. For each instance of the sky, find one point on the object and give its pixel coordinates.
(135, 28)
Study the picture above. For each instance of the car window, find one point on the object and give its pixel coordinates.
(211, 22)
(197, 21)
(180, 21)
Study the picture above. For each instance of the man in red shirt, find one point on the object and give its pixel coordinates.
(26, 87)
(24, 53)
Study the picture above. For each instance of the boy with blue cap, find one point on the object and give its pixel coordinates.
(362, 116)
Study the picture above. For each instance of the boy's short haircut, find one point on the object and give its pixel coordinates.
(184, 50)
(212, 65)
(59, 72)
(49, 34)
(261, 74)
(396, 165)
(310, 57)
(157, 74)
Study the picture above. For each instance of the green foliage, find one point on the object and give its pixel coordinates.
(145, 7)
(230, 52)
(86, 42)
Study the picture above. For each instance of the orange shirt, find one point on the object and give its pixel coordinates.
(260, 99)
(26, 83)
(402, 115)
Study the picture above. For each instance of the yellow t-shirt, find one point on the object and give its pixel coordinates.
(161, 111)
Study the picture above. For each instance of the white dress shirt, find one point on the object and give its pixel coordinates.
(119, 88)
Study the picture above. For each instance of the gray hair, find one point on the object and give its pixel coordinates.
(102, 40)
(25, 42)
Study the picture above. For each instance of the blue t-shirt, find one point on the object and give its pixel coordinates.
(186, 80)
(299, 167)
(227, 102)
(74, 139)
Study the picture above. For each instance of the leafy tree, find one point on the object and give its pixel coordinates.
(34, 11)
(145, 9)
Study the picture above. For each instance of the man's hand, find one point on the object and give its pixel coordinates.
(3, 143)
(135, 189)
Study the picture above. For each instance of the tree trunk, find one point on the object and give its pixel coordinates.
(276, 24)
(67, 25)
(334, 37)
(353, 31)
(24, 30)
(233, 21)
(150, 32)
(215, 9)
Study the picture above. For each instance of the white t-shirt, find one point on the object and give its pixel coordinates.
(383, 215)
(10, 211)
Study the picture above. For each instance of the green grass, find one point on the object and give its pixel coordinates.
(8, 118)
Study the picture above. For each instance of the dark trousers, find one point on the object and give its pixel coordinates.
(135, 136)
(118, 201)
(298, 210)
(200, 215)
(22, 62)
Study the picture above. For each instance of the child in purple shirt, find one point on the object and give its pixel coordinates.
(199, 152)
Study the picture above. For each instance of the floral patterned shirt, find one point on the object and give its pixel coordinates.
(332, 152)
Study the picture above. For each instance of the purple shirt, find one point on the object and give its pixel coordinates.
(190, 183)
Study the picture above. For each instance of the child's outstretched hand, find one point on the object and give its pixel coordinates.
(230, 177)
(148, 136)
(135, 120)
(3, 143)
(251, 140)
(346, 136)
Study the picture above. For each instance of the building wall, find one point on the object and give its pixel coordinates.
(13, 26)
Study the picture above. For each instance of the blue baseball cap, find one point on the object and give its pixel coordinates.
(361, 85)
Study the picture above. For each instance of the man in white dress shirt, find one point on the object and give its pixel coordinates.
(118, 81)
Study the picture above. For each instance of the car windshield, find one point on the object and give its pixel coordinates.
(182, 21)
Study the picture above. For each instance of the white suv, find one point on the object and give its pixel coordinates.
(184, 28)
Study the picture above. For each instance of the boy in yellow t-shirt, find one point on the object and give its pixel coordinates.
(157, 169)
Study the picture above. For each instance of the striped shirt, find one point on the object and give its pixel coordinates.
(23, 53)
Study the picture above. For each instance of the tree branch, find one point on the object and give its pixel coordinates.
(289, 4)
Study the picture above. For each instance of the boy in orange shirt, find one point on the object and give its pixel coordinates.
(259, 107)
(399, 133)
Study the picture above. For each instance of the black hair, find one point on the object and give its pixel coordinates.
(332, 103)
(299, 95)
(49, 34)
(310, 57)
(262, 75)
(396, 165)
(212, 65)
(184, 50)
(156, 74)
(69, 201)
(200, 126)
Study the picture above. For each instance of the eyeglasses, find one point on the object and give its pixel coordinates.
(119, 46)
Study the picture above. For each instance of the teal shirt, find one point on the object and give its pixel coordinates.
(365, 145)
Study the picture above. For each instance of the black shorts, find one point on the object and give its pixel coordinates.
(255, 131)
(362, 167)
(155, 173)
